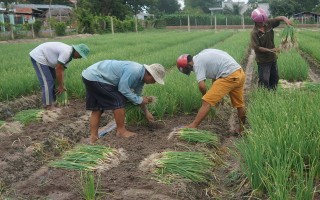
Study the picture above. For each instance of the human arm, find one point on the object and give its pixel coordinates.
(212, 81)
(60, 78)
(202, 113)
(255, 44)
(145, 110)
(202, 87)
(284, 19)
(273, 50)
(127, 89)
(145, 101)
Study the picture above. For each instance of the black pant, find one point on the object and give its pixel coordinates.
(268, 75)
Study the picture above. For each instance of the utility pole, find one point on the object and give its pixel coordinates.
(50, 19)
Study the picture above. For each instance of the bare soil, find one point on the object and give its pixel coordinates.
(27, 150)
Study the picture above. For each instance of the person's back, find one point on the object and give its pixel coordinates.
(214, 64)
(111, 71)
(50, 53)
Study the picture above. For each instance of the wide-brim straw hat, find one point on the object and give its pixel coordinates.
(157, 71)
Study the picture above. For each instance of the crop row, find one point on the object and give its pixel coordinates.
(281, 151)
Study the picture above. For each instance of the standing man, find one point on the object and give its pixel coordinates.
(49, 60)
(111, 83)
(227, 78)
(262, 41)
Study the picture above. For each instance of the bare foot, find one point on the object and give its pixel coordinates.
(126, 134)
(93, 139)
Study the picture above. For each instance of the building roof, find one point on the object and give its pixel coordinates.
(42, 6)
(243, 5)
(301, 13)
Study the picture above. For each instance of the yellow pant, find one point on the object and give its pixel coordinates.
(232, 85)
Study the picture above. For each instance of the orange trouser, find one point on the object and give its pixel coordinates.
(232, 85)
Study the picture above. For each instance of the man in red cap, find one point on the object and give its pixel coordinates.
(227, 78)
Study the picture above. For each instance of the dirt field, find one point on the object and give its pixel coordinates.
(27, 150)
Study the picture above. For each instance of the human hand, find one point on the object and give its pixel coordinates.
(149, 116)
(276, 50)
(289, 23)
(60, 89)
(145, 100)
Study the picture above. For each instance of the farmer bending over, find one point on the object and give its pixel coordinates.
(110, 83)
(262, 41)
(49, 60)
(227, 78)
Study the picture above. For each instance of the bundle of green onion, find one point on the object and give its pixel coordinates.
(62, 100)
(1, 123)
(27, 116)
(193, 166)
(197, 136)
(288, 38)
(87, 158)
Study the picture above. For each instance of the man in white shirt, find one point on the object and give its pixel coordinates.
(49, 61)
(227, 78)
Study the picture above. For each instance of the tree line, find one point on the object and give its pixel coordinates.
(122, 9)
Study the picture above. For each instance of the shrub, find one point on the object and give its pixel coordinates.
(60, 28)
(37, 27)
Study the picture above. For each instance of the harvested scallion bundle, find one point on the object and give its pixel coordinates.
(192, 166)
(62, 99)
(89, 158)
(288, 38)
(196, 135)
(27, 116)
(1, 123)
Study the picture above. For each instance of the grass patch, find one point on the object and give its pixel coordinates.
(90, 186)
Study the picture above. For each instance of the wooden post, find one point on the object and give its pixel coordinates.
(226, 22)
(242, 17)
(32, 30)
(136, 23)
(3, 28)
(12, 34)
(50, 19)
(11, 16)
(188, 23)
(215, 22)
(112, 30)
